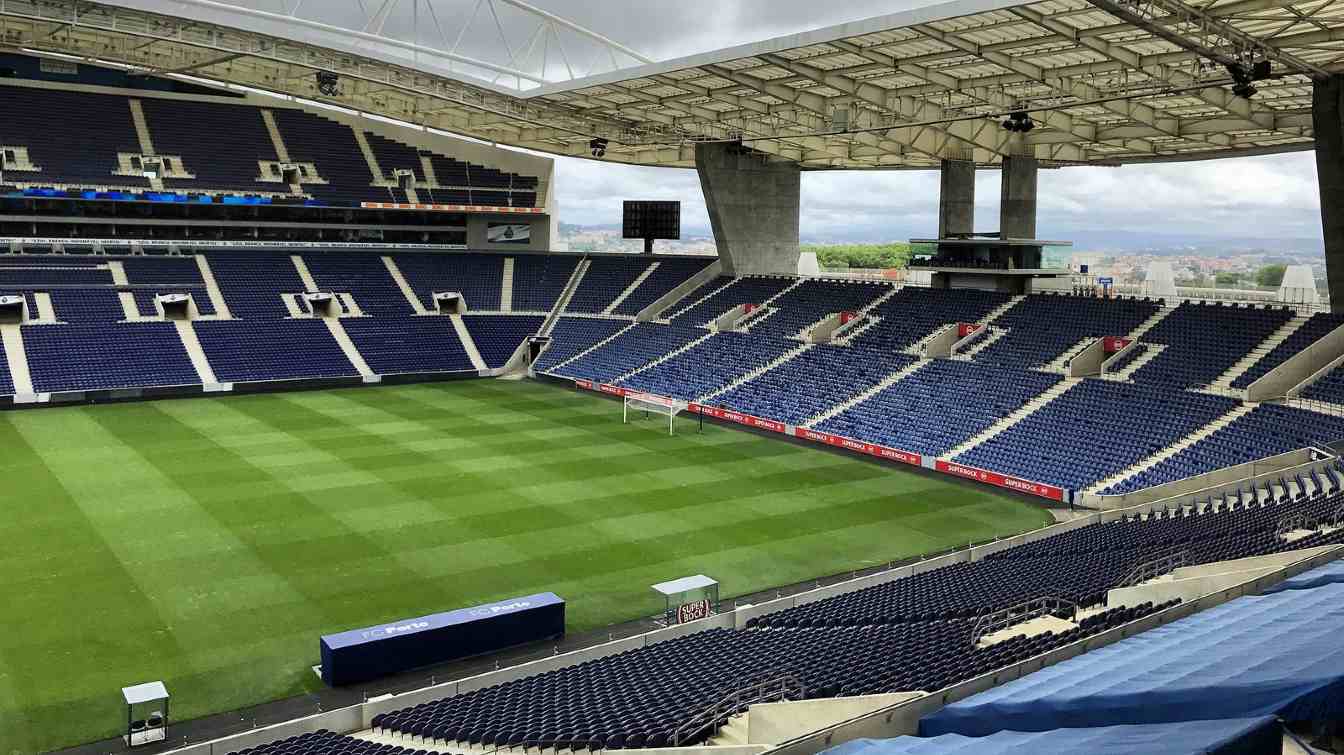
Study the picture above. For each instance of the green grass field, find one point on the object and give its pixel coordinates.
(208, 542)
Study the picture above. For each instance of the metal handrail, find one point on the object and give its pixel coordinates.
(1016, 614)
(1298, 521)
(772, 689)
(1155, 567)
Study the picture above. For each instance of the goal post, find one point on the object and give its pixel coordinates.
(648, 403)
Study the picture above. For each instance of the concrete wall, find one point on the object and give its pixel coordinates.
(1106, 363)
(1327, 118)
(772, 723)
(753, 208)
(1215, 483)
(1089, 360)
(651, 312)
(942, 345)
(1017, 198)
(956, 198)
(1299, 369)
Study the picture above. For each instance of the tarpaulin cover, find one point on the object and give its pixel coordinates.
(1322, 575)
(1274, 654)
(1232, 736)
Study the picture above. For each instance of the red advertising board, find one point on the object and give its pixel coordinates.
(966, 328)
(1003, 481)
(871, 449)
(694, 611)
(847, 316)
(1113, 344)
(728, 415)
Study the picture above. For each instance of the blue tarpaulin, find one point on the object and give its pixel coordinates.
(1331, 573)
(1233, 736)
(1273, 654)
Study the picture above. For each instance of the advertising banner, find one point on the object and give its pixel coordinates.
(453, 208)
(966, 328)
(871, 449)
(1112, 344)
(847, 316)
(742, 419)
(1003, 481)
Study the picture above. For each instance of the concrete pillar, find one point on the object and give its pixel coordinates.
(956, 199)
(753, 209)
(1017, 198)
(1327, 120)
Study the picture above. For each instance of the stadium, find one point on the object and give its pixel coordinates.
(317, 441)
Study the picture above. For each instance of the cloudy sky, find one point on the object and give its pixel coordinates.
(1268, 196)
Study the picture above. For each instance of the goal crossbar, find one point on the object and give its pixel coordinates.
(649, 403)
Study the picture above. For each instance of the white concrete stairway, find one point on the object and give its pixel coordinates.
(562, 303)
(1007, 423)
(375, 169)
(1225, 380)
(186, 332)
(277, 140)
(706, 297)
(595, 346)
(752, 375)
(142, 134)
(866, 319)
(1175, 448)
(733, 733)
(767, 308)
(468, 343)
(675, 352)
(1152, 322)
(212, 290)
(859, 398)
(505, 287)
(16, 357)
(1001, 310)
(416, 305)
(1060, 364)
(1151, 351)
(995, 333)
(630, 289)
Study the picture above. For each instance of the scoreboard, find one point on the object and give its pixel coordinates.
(643, 219)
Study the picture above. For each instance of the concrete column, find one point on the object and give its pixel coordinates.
(1017, 198)
(956, 198)
(753, 209)
(1327, 119)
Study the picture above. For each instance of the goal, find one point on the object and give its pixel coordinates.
(645, 404)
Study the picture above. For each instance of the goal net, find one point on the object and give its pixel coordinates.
(648, 405)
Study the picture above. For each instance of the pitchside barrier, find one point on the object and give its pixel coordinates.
(1049, 492)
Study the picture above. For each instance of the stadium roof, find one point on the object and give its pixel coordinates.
(1105, 81)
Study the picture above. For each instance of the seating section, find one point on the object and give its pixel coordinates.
(323, 742)
(812, 382)
(73, 137)
(398, 345)
(913, 313)
(261, 350)
(152, 276)
(220, 144)
(1096, 429)
(709, 366)
(741, 291)
(939, 406)
(253, 281)
(498, 336)
(1268, 430)
(1042, 328)
(1311, 331)
(670, 273)
(606, 279)
(1329, 387)
(539, 279)
(1204, 340)
(630, 351)
(810, 302)
(574, 335)
(83, 356)
(478, 277)
(362, 275)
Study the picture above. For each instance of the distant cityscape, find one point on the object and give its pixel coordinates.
(1204, 265)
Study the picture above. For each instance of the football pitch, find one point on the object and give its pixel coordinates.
(208, 542)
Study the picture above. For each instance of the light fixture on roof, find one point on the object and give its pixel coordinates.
(1242, 76)
(1019, 122)
(328, 83)
(598, 147)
